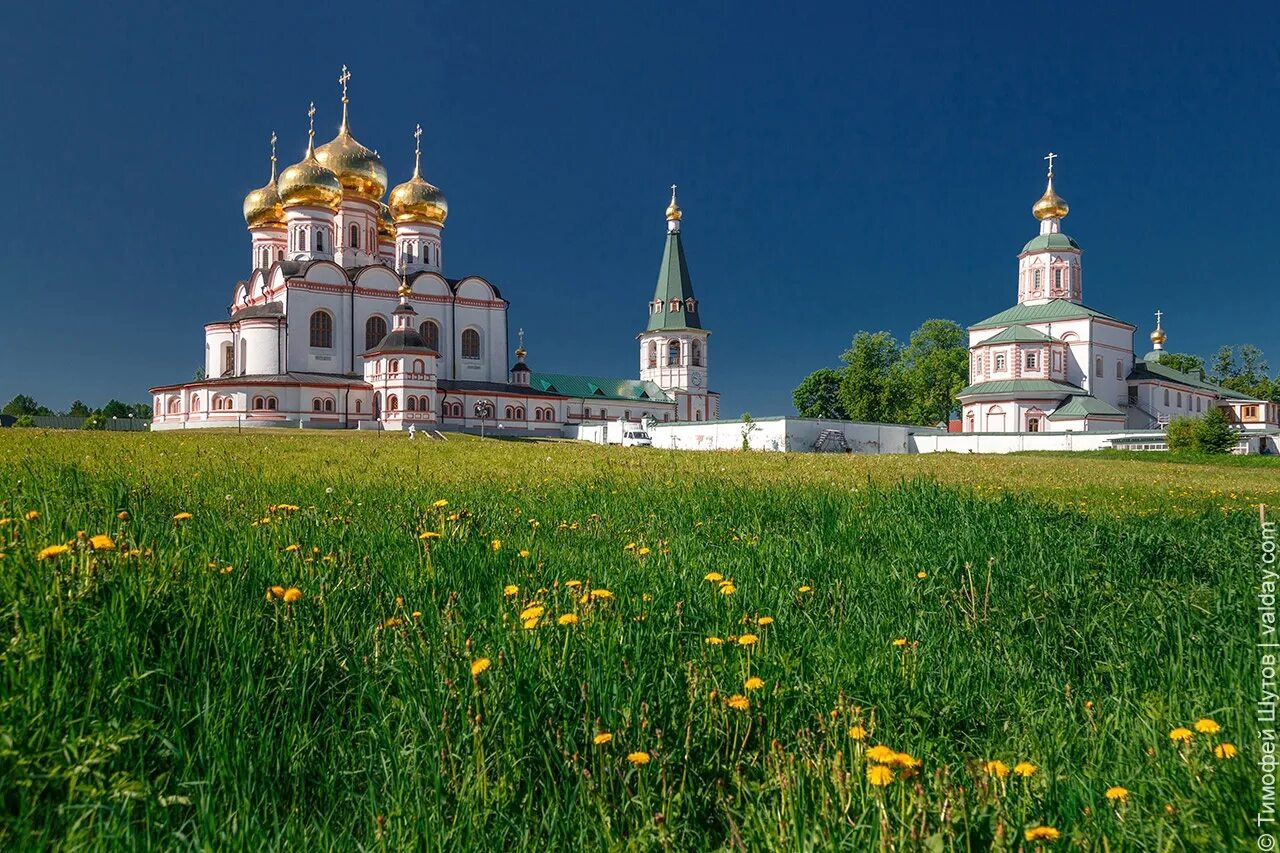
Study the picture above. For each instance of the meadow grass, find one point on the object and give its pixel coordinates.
(394, 691)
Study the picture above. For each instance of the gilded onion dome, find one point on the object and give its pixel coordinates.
(1051, 205)
(359, 169)
(308, 182)
(386, 225)
(673, 210)
(416, 200)
(262, 207)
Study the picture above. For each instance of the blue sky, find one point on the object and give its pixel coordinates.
(848, 167)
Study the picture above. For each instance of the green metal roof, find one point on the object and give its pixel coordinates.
(1020, 386)
(1041, 242)
(1154, 370)
(1017, 334)
(1085, 406)
(604, 388)
(674, 287)
(1054, 309)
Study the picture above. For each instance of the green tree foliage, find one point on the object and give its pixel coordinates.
(867, 390)
(24, 421)
(931, 371)
(1244, 369)
(1210, 433)
(24, 405)
(818, 395)
(78, 410)
(1184, 362)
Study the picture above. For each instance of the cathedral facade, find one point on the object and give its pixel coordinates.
(1052, 364)
(348, 320)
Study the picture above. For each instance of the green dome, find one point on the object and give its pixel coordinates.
(1050, 241)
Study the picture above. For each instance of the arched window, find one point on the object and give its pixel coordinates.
(586, 412)
(393, 366)
(258, 404)
(519, 413)
(228, 359)
(653, 353)
(470, 344)
(315, 404)
(355, 236)
(1097, 367)
(626, 416)
(1057, 279)
(271, 404)
(358, 406)
(195, 404)
(322, 330)
(328, 404)
(1000, 363)
(1119, 369)
(424, 404)
(302, 240)
(696, 358)
(393, 403)
(673, 354)
(319, 239)
(1036, 280)
(431, 334)
(1166, 396)
(1032, 360)
(419, 366)
(511, 413)
(375, 329)
(377, 403)
(411, 403)
(175, 405)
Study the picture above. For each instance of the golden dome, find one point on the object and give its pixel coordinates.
(262, 208)
(359, 169)
(386, 226)
(416, 200)
(1050, 205)
(308, 182)
(673, 210)
(1158, 336)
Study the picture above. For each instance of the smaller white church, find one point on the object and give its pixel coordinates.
(1053, 364)
(347, 320)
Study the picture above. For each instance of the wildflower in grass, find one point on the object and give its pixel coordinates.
(858, 733)
(755, 682)
(714, 641)
(479, 665)
(1042, 833)
(880, 753)
(630, 546)
(738, 702)
(879, 775)
(601, 594)
(226, 570)
(573, 584)
(440, 504)
(291, 595)
(900, 642)
(568, 619)
(748, 640)
(524, 553)
(764, 620)
(714, 577)
(182, 516)
(32, 515)
(510, 590)
(123, 515)
(496, 544)
(996, 768)
(417, 614)
(1180, 735)
(727, 589)
(1225, 751)
(922, 575)
(52, 551)
(602, 738)
(428, 534)
(1025, 769)
(638, 758)
(392, 622)
(904, 760)
(291, 548)
(1117, 793)
(643, 552)
(806, 589)
(1207, 726)
(534, 611)
(275, 592)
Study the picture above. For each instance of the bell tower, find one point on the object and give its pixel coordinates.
(1049, 265)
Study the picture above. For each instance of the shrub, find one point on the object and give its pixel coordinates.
(24, 421)
(1208, 434)
(95, 421)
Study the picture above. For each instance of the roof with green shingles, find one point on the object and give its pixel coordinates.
(1054, 309)
(1017, 335)
(1150, 370)
(1085, 406)
(674, 286)
(1020, 386)
(588, 387)
(1050, 241)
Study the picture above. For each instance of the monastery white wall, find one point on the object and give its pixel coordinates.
(786, 434)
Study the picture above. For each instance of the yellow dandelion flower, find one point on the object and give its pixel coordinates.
(428, 534)
(602, 594)
(568, 619)
(102, 542)
(638, 758)
(922, 575)
(530, 624)
(755, 682)
(901, 641)
(292, 548)
(1180, 735)
(713, 577)
(275, 591)
(510, 590)
(479, 665)
(52, 551)
(748, 640)
(858, 733)
(1207, 726)
(1042, 833)
(879, 775)
(532, 612)
(903, 759)
(524, 553)
(417, 614)
(764, 620)
(880, 753)
(291, 595)
(32, 515)
(602, 738)
(573, 584)
(738, 702)
(727, 589)
(714, 641)
(643, 552)
(392, 622)
(1116, 792)
(440, 504)
(996, 768)
(1025, 769)
(1225, 751)
(182, 516)
(630, 546)
(806, 589)
(496, 544)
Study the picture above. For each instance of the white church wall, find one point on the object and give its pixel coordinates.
(786, 434)
(261, 346)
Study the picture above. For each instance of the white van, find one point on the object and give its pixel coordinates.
(636, 438)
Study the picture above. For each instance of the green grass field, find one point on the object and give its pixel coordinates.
(937, 653)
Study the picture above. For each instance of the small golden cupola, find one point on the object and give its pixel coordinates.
(307, 182)
(416, 200)
(386, 225)
(262, 207)
(359, 169)
(1158, 337)
(1051, 205)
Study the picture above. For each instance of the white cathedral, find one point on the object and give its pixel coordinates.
(1053, 364)
(348, 321)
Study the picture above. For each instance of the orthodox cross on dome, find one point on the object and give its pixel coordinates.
(1050, 157)
(273, 155)
(343, 78)
(417, 148)
(520, 335)
(1159, 314)
(311, 126)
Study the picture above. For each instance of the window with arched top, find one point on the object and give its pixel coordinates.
(393, 403)
(1097, 367)
(355, 236)
(319, 239)
(195, 404)
(315, 404)
(519, 413)
(375, 329)
(258, 403)
(424, 404)
(1119, 369)
(430, 333)
(175, 406)
(673, 354)
(393, 366)
(419, 366)
(653, 354)
(411, 403)
(1001, 361)
(271, 404)
(328, 404)
(1036, 280)
(470, 344)
(358, 406)
(322, 329)
(695, 357)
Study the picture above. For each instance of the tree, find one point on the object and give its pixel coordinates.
(748, 426)
(818, 395)
(1184, 362)
(78, 410)
(1211, 433)
(114, 409)
(94, 421)
(143, 410)
(1248, 375)
(867, 390)
(931, 371)
(24, 405)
